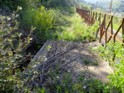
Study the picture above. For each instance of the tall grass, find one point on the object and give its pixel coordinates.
(78, 30)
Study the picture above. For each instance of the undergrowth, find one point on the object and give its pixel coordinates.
(13, 45)
(114, 54)
(40, 18)
(77, 30)
(80, 86)
(64, 83)
(42, 24)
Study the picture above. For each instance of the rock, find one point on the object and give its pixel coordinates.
(66, 57)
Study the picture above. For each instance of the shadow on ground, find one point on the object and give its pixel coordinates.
(67, 57)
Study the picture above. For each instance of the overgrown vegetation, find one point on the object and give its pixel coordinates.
(114, 54)
(13, 4)
(40, 18)
(77, 30)
(35, 21)
(13, 58)
(66, 85)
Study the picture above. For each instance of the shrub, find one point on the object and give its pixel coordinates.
(12, 53)
(13, 4)
(58, 3)
(40, 18)
(81, 85)
(117, 78)
(114, 54)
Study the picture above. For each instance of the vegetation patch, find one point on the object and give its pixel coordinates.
(78, 30)
(24, 30)
(114, 54)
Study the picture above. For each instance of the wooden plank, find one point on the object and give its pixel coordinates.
(123, 31)
(117, 33)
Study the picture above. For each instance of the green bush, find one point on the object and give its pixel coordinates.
(117, 78)
(81, 85)
(40, 18)
(13, 4)
(12, 53)
(58, 3)
(114, 54)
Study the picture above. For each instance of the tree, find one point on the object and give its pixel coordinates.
(59, 3)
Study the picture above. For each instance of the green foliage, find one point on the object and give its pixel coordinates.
(114, 53)
(58, 3)
(60, 23)
(13, 4)
(12, 52)
(117, 78)
(77, 30)
(40, 18)
(81, 85)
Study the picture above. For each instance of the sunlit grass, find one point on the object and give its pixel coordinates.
(78, 30)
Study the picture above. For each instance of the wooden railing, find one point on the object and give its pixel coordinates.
(86, 15)
(105, 30)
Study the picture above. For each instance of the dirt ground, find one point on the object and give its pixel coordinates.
(74, 57)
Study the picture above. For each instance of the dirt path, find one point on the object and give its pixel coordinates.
(74, 57)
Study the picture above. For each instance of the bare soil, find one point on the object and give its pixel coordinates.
(73, 57)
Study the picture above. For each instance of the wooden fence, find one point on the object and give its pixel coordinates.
(105, 30)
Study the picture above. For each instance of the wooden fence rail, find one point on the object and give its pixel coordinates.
(105, 30)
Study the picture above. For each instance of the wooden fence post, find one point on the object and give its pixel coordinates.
(96, 16)
(111, 23)
(102, 28)
(99, 19)
(105, 30)
(114, 38)
(93, 16)
(123, 31)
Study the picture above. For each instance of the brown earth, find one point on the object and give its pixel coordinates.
(74, 57)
